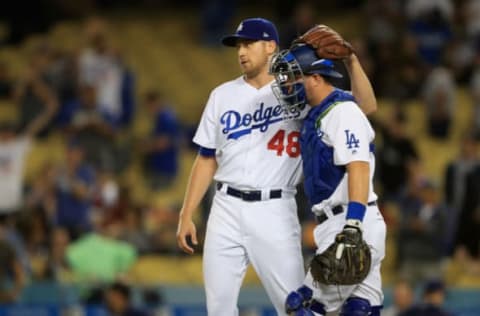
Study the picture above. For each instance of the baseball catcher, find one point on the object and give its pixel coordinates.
(336, 146)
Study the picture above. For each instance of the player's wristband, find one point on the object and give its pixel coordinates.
(206, 152)
(356, 211)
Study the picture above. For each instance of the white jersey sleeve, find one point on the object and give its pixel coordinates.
(350, 133)
(205, 135)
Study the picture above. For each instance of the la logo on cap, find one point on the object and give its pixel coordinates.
(240, 27)
(265, 34)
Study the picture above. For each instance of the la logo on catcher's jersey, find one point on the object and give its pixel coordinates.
(352, 142)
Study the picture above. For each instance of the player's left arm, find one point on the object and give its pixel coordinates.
(358, 188)
(358, 181)
(361, 87)
(353, 136)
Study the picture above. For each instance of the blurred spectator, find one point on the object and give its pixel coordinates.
(33, 232)
(101, 67)
(421, 236)
(397, 157)
(63, 77)
(10, 233)
(57, 268)
(381, 54)
(118, 301)
(128, 97)
(57, 69)
(416, 8)
(216, 17)
(402, 299)
(6, 82)
(429, 25)
(161, 149)
(460, 57)
(163, 241)
(433, 299)
(41, 191)
(12, 275)
(153, 299)
(107, 194)
(471, 14)
(99, 257)
(382, 18)
(409, 69)
(439, 96)
(301, 20)
(456, 175)
(160, 223)
(95, 129)
(123, 212)
(468, 232)
(33, 93)
(13, 151)
(475, 93)
(134, 233)
(74, 192)
(464, 50)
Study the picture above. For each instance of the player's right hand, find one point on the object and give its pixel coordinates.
(186, 228)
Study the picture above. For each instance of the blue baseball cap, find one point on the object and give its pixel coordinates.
(258, 29)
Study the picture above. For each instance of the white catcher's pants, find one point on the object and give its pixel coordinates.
(266, 234)
(374, 233)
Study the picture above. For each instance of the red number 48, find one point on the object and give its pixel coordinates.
(292, 147)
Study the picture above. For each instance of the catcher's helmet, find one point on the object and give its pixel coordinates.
(289, 67)
(309, 62)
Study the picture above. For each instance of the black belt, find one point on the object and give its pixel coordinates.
(335, 211)
(250, 195)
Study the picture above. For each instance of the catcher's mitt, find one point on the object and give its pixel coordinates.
(345, 262)
(327, 42)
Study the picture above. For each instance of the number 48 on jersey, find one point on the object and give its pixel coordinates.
(292, 146)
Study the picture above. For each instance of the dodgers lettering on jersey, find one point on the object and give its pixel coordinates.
(236, 125)
(255, 146)
(335, 133)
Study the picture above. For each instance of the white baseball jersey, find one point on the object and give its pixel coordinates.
(348, 131)
(255, 147)
(12, 158)
(105, 73)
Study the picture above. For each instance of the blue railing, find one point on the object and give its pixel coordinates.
(51, 299)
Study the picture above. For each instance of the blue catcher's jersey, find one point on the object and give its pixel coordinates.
(334, 133)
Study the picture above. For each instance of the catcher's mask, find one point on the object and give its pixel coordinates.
(289, 68)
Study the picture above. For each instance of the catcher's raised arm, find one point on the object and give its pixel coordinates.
(329, 44)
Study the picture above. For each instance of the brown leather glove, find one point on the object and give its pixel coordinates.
(327, 42)
(346, 262)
